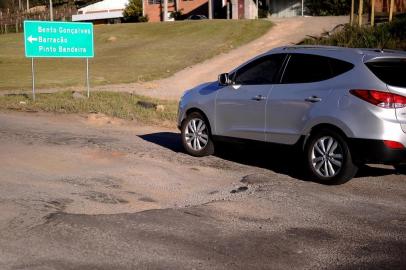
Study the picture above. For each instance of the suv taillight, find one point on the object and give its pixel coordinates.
(381, 99)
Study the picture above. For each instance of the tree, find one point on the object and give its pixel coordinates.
(328, 7)
(133, 12)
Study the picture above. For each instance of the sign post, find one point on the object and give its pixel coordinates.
(44, 39)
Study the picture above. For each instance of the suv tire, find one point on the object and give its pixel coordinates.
(196, 135)
(401, 168)
(328, 158)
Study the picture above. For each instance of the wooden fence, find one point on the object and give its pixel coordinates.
(13, 21)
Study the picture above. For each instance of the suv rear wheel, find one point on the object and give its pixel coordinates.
(401, 169)
(196, 136)
(329, 158)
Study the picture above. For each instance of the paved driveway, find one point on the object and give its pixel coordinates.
(98, 193)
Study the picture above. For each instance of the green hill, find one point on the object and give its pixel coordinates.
(129, 52)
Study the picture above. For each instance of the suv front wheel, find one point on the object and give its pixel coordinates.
(329, 159)
(196, 136)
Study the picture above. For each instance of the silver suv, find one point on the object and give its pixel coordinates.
(344, 107)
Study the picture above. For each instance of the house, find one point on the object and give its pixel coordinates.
(110, 11)
(154, 9)
(106, 11)
(384, 5)
(221, 9)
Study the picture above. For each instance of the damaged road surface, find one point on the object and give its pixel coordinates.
(82, 192)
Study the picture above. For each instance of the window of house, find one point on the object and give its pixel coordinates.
(158, 2)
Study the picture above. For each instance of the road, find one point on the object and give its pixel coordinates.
(286, 31)
(90, 192)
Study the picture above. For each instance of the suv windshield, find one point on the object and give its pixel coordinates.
(389, 70)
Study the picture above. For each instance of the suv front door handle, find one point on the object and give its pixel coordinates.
(313, 99)
(259, 98)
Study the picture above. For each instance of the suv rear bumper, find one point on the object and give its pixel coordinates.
(375, 151)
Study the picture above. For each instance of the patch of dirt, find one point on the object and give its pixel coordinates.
(238, 190)
(100, 119)
(255, 179)
(104, 154)
(101, 197)
(147, 199)
(103, 181)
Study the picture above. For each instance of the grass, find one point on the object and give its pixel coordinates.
(129, 52)
(120, 105)
(386, 35)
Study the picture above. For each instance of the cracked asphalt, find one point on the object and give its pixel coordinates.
(80, 192)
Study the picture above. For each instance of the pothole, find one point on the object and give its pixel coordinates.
(102, 197)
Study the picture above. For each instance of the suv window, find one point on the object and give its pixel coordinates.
(390, 71)
(306, 68)
(264, 70)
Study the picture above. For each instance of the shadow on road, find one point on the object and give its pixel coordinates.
(278, 158)
(168, 140)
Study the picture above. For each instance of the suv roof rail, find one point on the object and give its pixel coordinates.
(295, 47)
(383, 50)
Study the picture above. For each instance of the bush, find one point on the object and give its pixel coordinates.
(177, 15)
(387, 35)
(328, 7)
(133, 12)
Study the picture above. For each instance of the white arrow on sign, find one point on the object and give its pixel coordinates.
(31, 39)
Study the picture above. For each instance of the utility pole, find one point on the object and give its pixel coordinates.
(372, 12)
(360, 11)
(392, 4)
(51, 11)
(257, 16)
(210, 9)
(28, 5)
(352, 12)
(165, 10)
(302, 8)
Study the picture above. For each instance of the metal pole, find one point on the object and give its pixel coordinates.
(360, 12)
(28, 5)
(33, 78)
(210, 9)
(302, 8)
(165, 11)
(87, 78)
(372, 12)
(51, 11)
(256, 2)
(352, 12)
(392, 3)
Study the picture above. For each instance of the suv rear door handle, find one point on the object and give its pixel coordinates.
(313, 99)
(259, 98)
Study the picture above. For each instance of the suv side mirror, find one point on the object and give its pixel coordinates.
(224, 79)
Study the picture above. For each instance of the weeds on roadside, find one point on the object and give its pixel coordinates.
(121, 105)
(382, 36)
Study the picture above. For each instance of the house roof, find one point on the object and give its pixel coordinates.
(105, 5)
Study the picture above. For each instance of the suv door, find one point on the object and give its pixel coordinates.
(304, 87)
(241, 106)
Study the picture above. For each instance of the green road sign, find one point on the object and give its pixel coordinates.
(58, 39)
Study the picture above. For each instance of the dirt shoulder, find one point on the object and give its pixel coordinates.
(287, 31)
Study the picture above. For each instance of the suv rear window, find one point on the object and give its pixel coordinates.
(307, 68)
(390, 71)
